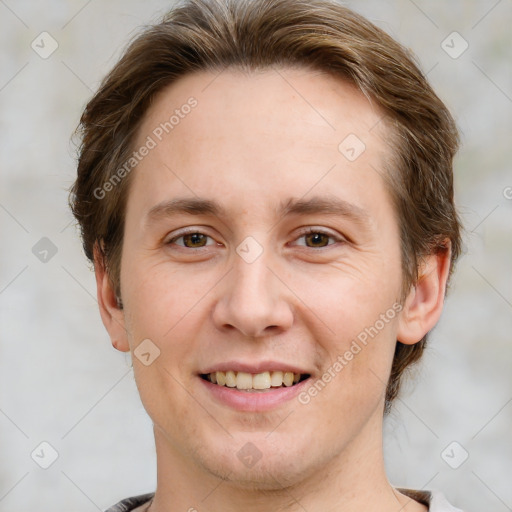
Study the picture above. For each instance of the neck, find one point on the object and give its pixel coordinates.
(352, 481)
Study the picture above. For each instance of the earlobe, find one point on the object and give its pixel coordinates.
(110, 309)
(424, 303)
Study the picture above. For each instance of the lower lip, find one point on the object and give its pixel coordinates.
(253, 401)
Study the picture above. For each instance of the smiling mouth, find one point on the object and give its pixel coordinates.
(255, 381)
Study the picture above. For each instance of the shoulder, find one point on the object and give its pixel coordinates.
(132, 503)
(435, 500)
(438, 503)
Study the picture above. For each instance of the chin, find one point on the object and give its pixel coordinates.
(253, 462)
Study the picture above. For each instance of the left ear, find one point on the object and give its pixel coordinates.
(424, 304)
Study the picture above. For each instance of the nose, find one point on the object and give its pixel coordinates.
(254, 300)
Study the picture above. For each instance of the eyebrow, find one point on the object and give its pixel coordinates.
(316, 205)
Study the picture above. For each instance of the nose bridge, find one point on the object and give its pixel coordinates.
(253, 301)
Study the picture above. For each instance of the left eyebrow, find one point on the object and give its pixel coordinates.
(325, 206)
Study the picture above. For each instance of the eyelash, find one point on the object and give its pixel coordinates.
(305, 232)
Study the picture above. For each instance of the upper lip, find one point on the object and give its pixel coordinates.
(253, 367)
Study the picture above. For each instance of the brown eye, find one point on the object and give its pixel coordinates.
(192, 240)
(314, 238)
(317, 239)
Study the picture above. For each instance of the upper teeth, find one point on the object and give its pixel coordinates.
(264, 380)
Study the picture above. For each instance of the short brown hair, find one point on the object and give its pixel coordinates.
(199, 35)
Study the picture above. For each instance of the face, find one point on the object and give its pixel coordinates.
(260, 239)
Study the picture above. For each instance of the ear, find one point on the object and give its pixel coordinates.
(111, 312)
(424, 304)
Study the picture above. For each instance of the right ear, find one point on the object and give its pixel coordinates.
(111, 312)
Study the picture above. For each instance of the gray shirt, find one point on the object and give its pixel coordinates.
(435, 501)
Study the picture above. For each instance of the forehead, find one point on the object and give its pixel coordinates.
(269, 132)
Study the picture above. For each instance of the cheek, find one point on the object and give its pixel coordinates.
(159, 298)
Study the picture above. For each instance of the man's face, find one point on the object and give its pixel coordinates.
(270, 281)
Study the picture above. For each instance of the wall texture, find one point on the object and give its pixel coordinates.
(63, 384)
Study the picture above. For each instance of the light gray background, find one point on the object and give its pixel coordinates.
(62, 382)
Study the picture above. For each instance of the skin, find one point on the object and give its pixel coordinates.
(254, 141)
